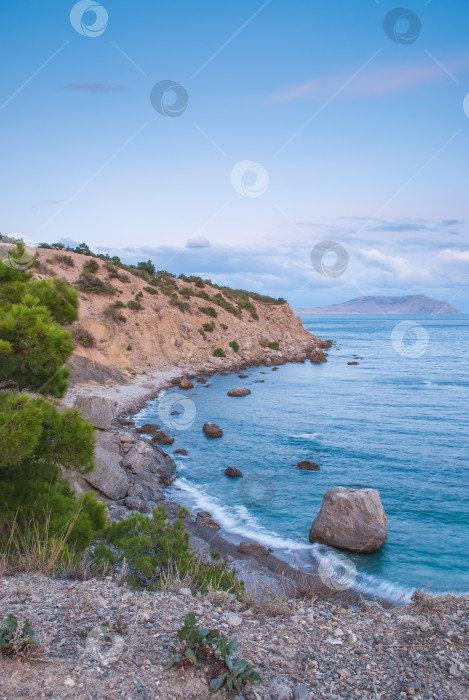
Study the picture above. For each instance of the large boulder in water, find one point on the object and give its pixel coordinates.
(239, 391)
(97, 410)
(186, 384)
(233, 471)
(162, 438)
(212, 430)
(317, 355)
(308, 465)
(350, 519)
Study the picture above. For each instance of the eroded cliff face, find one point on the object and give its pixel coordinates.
(161, 335)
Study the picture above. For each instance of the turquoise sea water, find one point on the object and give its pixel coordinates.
(395, 422)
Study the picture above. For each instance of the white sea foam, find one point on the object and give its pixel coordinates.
(238, 521)
(305, 436)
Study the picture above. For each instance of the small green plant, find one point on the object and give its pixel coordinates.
(129, 348)
(202, 333)
(197, 644)
(83, 337)
(90, 266)
(113, 312)
(134, 305)
(181, 305)
(139, 295)
(219, 352)
(150, 290)
(273, 346)
(65, 259)
(16, 640)
(209, 310)
(208, 327)
(224, 326)
(235, 345)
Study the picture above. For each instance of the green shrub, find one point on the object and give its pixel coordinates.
(202, 333)
(273, 346)
(249, 306)
(181, 305)
(88, 283)
(219, 352)
(224, 326)
(150, 290)
(209, 310)
(65, 259)
(90, 266)
(134, 305)
(147, 266)
(235, 345)
(113, 312)
(209, 327)
(151, 549)
(83, 337)
(129, 348)
(139, 295)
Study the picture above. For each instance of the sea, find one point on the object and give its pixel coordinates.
(397, 422)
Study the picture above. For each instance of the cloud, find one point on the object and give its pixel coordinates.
(98, 88)
(370, 82)
(402, 268)
(198, 242)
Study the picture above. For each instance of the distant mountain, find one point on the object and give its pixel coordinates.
(412, 304)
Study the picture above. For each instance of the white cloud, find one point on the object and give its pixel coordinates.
(198, 242)
(403, 269)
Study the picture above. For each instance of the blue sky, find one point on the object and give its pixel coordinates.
(359, 139)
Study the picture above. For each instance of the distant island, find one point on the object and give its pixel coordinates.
(412, 304)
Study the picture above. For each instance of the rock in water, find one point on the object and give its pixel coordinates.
(317, 355)
(180, 451)
(149, 428)
(212, 430)
(232, 471)
(239, 391)
(186, 384)
(308, 465)
(204, 519)
(252, 549)
(162, 438)
(97, 410)
(351, 519)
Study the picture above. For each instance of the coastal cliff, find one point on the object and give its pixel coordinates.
(129, 324)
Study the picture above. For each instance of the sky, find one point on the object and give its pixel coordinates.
(233, 139)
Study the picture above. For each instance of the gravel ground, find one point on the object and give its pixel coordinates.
(99, 640)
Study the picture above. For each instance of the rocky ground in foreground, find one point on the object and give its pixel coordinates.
(100, 640)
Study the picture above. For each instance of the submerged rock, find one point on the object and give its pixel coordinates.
(239, 391)
(243, 376)
(350, 519)
(308, 465)
(232, 471)
(353, 363)
(180, 451)
(212, 430)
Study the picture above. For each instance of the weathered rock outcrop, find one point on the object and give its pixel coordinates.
(97, 410)
(149, 428)
(131, 470)
(212, 430)
(162, 438)
(186, 384)
(204, 519)
(351, 519)
(239, 391)
(317, 355)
